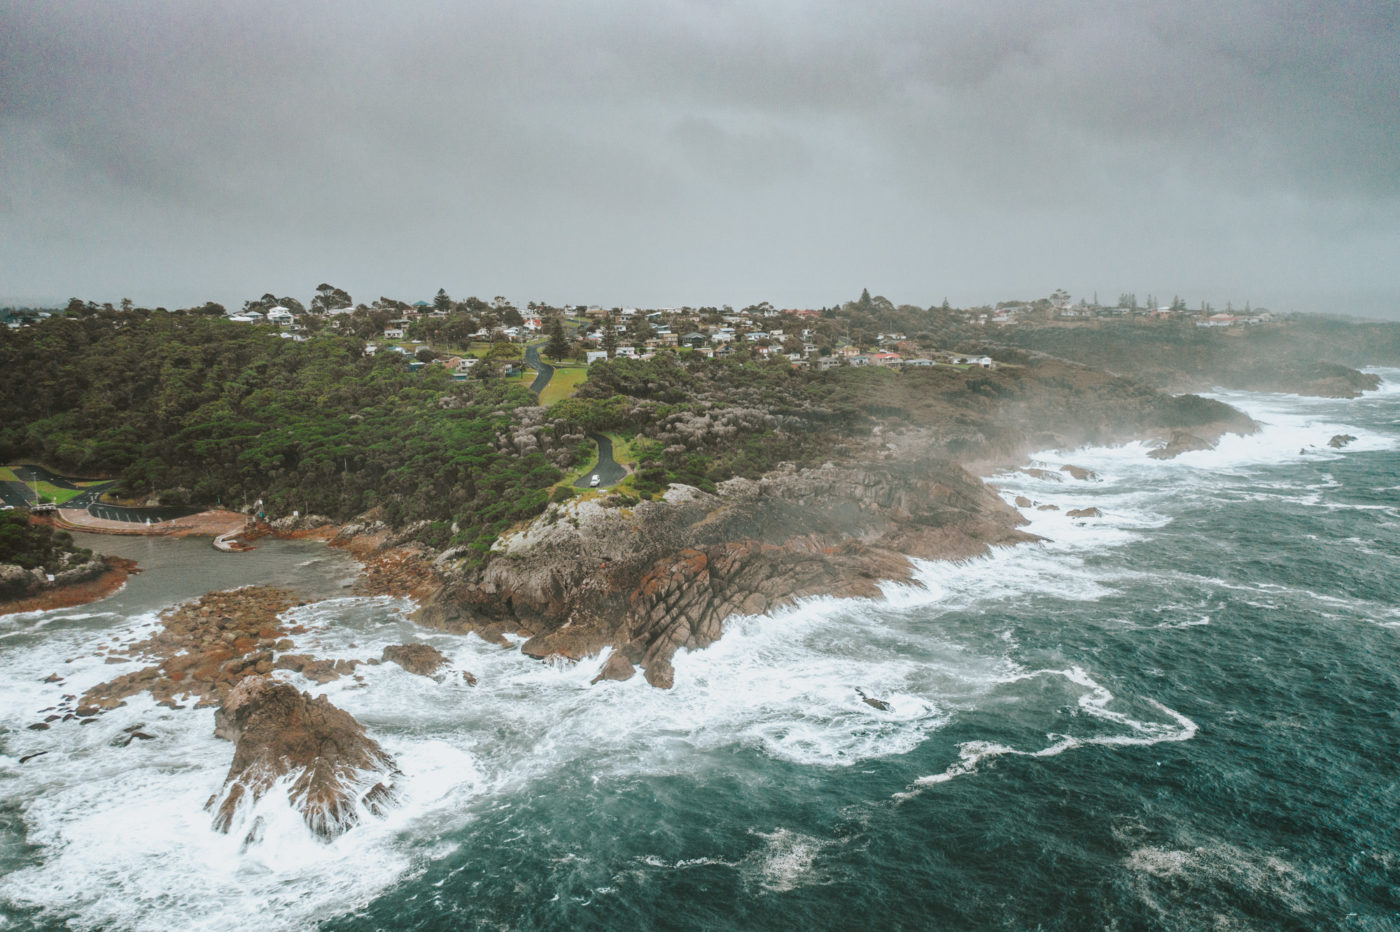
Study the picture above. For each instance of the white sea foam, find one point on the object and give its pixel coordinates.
(125, 840)
(786, 861)
(1097, 703)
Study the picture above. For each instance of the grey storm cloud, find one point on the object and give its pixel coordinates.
(701, 151)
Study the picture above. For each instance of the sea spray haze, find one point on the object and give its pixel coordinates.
(1177, 715)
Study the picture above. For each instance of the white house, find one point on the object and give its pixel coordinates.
(592, 356)
(393, 333)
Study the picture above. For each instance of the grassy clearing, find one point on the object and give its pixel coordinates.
(562, 385)
(622, 450)
(53, 493)
(7, 474)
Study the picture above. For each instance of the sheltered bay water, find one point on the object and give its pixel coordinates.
(1177, 715)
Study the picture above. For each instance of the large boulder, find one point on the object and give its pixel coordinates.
(339, 773)
(423, 659)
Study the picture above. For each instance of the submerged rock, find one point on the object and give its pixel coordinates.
(1180, 442)
(1080, 473)
(1340, 440)
(874, 703)
(423, 659)
(1084, 513)
(338, 771)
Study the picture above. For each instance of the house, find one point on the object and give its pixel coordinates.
(828, 362)
(279, 315)
(885, 359)
(627, 352)
(858, 360)
(918, 363)
(393, 333)
(593, 356)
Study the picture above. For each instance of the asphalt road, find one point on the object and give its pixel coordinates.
(607, 467)
(14, 495)
(545, 370)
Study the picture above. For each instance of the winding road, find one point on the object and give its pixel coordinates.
(608, 470)
(545, 370)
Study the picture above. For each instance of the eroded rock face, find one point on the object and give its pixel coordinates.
(339, 773)
(423, 659)
(652, 579)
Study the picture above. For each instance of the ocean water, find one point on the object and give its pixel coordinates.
(1184, 714)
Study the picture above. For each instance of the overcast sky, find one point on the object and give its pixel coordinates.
(702, 151)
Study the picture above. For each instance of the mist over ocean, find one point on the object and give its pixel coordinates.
(1184, 714)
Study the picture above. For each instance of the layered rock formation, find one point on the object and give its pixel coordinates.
(338, 773)
(663, 575)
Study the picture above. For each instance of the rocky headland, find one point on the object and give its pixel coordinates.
(645, 579)
(86, 581)
(649, 579)
(338, 773)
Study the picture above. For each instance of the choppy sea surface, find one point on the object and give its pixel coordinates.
(1183, 714)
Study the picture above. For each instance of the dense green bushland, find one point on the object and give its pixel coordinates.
(36, 545)
(202, 410)
(31, 547)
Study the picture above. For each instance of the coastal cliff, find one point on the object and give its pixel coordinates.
(647, 578)
(650, 579)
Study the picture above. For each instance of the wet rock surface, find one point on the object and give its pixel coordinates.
(664, 575)
(205, 648)
(339, 774)
(422, 659)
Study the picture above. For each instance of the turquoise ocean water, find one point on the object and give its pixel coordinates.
(1184, 714)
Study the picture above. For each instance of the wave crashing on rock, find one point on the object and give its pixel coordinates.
(338, 773)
